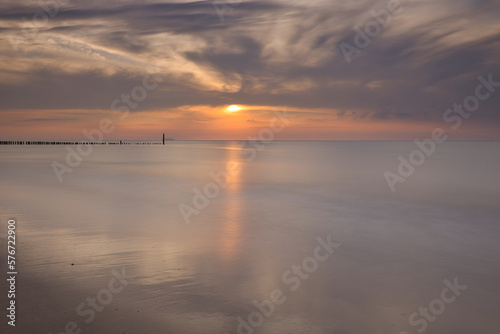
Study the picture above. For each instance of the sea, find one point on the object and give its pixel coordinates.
(320, 237)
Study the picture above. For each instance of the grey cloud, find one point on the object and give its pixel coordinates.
(405, 61)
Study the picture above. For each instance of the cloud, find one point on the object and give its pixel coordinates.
(262, 53)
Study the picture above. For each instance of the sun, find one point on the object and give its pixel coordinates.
(233, 108)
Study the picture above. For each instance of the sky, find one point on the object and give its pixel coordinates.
(336, 69)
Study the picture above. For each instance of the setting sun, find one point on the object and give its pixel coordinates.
(233, 108)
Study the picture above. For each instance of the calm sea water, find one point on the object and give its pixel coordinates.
(119, 210)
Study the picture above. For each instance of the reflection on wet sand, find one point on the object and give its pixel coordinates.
(230, 237)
